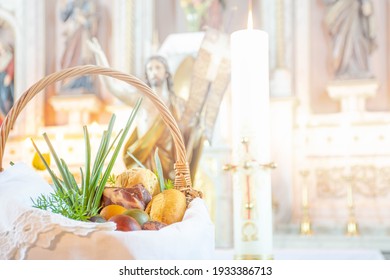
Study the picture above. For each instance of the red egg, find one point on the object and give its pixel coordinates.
(125, 223)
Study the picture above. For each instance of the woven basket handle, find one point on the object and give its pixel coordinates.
(182, 174)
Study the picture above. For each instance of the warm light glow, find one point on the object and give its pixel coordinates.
(250, 19)
(59, 137)
(27, 142)
(94, 128)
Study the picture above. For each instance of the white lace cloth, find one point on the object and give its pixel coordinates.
(29, 233)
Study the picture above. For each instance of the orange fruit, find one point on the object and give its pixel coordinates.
(111, 210)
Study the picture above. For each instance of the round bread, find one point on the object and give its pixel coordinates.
(167, 207)
(138, 175)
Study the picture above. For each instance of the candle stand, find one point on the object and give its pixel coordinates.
(305, 228)
(352, 226)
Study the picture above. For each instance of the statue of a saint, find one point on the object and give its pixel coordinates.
(350, 23)
(151, 132)
(6, 72)
(81, 20)
(195, 116)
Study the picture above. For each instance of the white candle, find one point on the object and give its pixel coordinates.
(250, 114)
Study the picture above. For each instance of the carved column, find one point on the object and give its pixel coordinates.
(281, 76)
(133, 23)
(277, 22)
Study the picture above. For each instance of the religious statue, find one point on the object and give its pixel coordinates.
(350, 23)
(6, 72)
(196, 116)
(151, 132)
(81, 20)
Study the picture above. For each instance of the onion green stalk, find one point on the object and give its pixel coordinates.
(159, 170)
(136, 160)
(84, 201)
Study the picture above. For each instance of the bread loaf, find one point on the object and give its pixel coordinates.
(137, 175)
(167, 207)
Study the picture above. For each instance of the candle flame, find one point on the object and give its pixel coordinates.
(250, 19)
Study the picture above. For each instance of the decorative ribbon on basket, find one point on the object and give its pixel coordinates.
(182, 180)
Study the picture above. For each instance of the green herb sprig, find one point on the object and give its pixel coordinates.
(83, 202)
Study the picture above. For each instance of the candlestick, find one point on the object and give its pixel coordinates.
(304, 196)
(305, 221)
(250, 110)
(349, 196)
(352, 226)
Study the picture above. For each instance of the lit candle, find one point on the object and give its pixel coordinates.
(250, 114)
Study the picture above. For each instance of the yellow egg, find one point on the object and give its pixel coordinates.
(37, 162)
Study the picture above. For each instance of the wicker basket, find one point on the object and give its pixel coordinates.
(119, 240)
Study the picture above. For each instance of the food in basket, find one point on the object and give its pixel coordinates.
(125, 223)
(82, 201)
(139, 215)
(138, 195)
(135, 197)
(138, 175)
(153, 225)
(97, 219)
(111, 210)
(167, 207)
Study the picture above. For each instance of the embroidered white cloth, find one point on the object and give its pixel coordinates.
(30, 233)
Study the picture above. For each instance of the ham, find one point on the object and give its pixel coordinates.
(135, 197)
